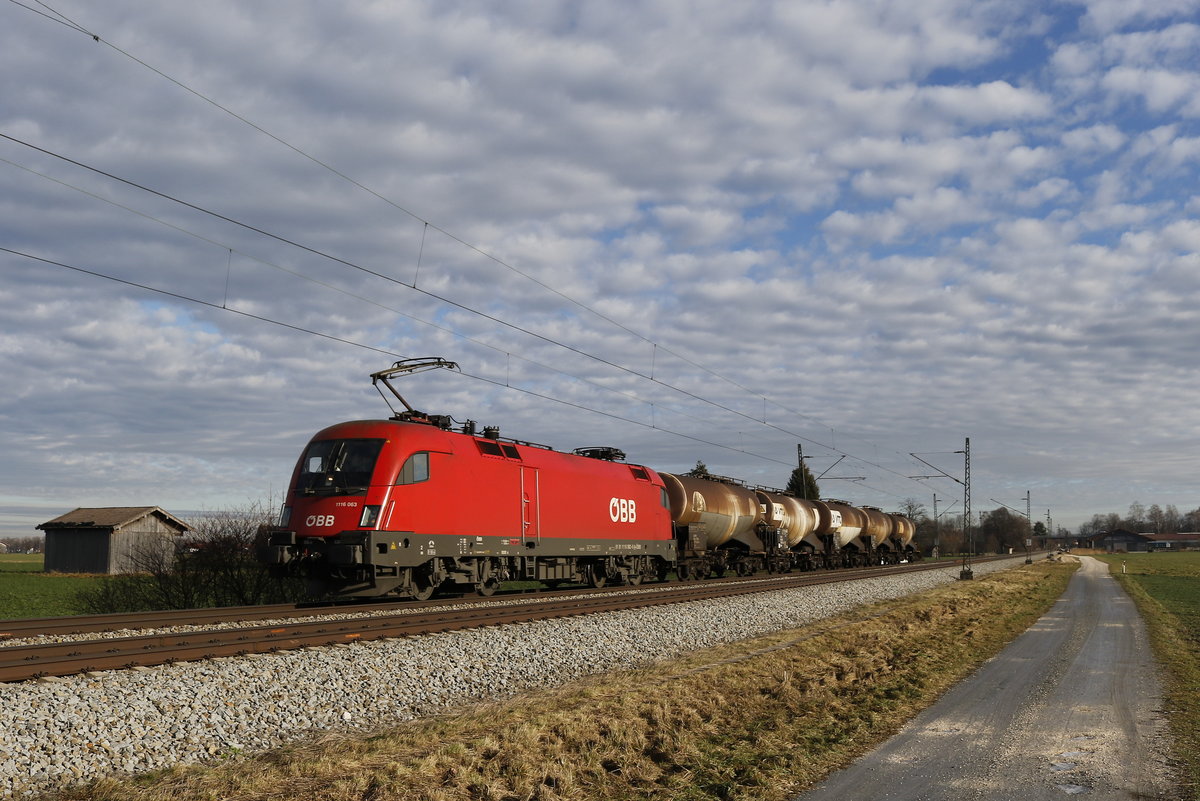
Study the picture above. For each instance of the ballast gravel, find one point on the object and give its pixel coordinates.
(56, 732)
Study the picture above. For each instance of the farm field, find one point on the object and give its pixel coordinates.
(25, 591)
(1166, 588)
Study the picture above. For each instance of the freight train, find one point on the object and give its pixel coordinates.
(406, 505)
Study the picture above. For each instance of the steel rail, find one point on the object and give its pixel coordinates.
(19, 628)
(22, 662)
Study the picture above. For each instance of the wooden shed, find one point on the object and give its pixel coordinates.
(114, 539)
(1124, 541)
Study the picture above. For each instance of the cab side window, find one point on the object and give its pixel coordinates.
(415, 469)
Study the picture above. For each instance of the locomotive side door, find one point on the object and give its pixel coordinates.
(531, 528)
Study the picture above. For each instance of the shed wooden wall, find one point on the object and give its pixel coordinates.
(77, 550)
(143, 545)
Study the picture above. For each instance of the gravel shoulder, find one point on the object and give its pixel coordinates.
(1072, 707)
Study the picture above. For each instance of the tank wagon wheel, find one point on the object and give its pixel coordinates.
(683, 571)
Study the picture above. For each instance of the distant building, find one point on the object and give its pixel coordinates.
(1123, 541)
(114, 539)
(1183, 541)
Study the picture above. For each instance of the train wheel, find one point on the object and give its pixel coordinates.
(422, 585)
(488, 580)
(596, 575)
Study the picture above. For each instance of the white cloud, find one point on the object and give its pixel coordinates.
(987, 103)
(1159, 89)
(805, 197)
(1112, 15)
(1094, 140)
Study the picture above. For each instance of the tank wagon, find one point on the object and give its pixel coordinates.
(405, 505)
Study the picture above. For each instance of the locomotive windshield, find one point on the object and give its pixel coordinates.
(338, 466)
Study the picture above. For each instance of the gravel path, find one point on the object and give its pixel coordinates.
(60, 731)
(1071, 707)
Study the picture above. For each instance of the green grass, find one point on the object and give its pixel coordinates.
(25, 591)
(21, 562)
(1166, 588)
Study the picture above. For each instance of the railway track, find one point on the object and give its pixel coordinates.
(22, 662)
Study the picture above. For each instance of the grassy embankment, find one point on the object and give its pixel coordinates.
(755, 720)
(25, 591)
(1166, 589)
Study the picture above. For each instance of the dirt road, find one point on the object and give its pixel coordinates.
(1070, 708)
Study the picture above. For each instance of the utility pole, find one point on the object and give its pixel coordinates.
(937, 550)
(800, 459)
(937, 524)
(1028, 522)
(968, 534)
(966, 573)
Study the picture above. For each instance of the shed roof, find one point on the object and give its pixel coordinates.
(112, 517)
(1182, 536)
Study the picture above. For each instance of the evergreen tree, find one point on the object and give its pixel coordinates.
(803, 485)
(699, 471)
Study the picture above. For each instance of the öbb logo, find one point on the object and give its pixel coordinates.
(313, 521)
(622, 510)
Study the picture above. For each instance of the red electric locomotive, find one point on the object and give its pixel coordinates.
(404, 505)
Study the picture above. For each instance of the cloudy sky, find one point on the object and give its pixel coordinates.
(694, 231)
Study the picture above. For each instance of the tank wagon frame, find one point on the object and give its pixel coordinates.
(406, 505)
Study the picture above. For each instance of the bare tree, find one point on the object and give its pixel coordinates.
(1137, 516)
(24, 544)
(913, 509)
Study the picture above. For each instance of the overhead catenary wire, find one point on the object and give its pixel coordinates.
(63, 19)
(331, 287)
(317, 252)
(438, 297)
(391, 354)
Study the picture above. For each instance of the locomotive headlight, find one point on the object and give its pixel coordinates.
(370, 515)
